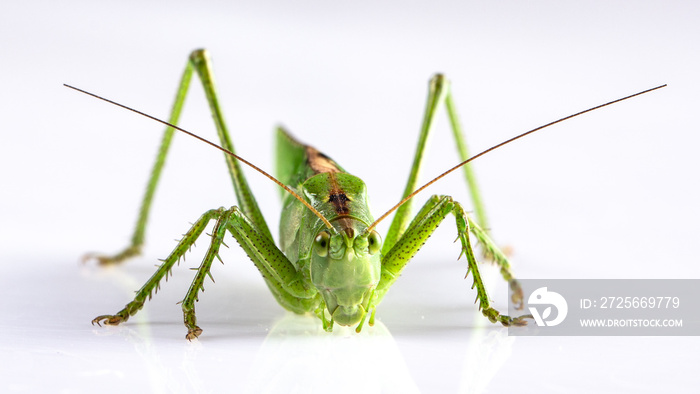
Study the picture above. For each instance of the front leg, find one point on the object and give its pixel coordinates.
(493, 253)
(152, 285)
(422, 226)
(279, 273)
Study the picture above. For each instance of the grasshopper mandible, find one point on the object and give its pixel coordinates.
(330, 260)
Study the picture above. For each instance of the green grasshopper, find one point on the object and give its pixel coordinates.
(330, 260)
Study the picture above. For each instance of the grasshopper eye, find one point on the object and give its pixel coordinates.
(321, 243)
(375, 242)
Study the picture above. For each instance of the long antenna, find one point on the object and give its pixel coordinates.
(420, 189)
(228, 152)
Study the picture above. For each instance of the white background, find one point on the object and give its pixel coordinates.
(613, 194)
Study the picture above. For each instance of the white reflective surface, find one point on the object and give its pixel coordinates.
(610, 195)
(430, 343)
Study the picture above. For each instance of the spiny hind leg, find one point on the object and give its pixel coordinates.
(439, 93)
(199, 62)
(139, 235)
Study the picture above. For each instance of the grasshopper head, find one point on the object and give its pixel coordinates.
(345, 268)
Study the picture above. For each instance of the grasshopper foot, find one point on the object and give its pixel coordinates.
(519, 321)
(193, 333)
(110, 320)
(103, 259)
(495, 317)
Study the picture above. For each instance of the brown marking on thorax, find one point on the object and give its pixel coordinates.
(339, 200)
(319, 162)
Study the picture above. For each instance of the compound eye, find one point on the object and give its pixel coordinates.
(322, 243)
(375, 242)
